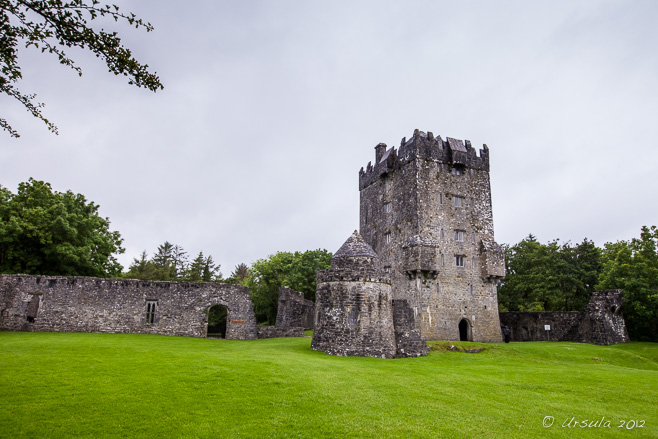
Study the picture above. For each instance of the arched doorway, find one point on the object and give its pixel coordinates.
(217, 321)
(465, 330)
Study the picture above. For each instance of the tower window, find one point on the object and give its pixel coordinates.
(459, 235)
(473, 237)
(440, 198)
(443, 260)
(387, 237)
(442, 235)
(151, 306)
(473, 262)
(459, 260)
(387, 207)
(387, 269)
(457, 170)
(459, 201)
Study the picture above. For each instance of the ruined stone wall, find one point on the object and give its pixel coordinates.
(601, 322)
(529, 326)
(294, 310)
(408, 339)
(86, 304)
(426, 211)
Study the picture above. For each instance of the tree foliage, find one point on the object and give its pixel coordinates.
(54, 233)
(239, 274)
(52, 26)
(554, 277)
(633, 267)
(284, 269)
(549, 277)
(203, 269)
(169, 263)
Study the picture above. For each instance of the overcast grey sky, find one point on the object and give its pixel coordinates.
(270, 108)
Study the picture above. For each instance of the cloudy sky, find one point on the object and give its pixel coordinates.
(270, 108)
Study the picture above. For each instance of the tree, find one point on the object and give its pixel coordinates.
(54, 233)
(163, 260)
(203, 269)
(549, 277)
(584, 265)
(284, 269)
(169, 263)
(528, 283)
(53, 25)
(633, 267)
(179, 260)
(239, 274)
(141, 268)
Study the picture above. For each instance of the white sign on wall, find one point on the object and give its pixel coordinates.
(547, 327)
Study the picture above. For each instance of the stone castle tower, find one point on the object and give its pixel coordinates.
(426, 211)
(355, 313)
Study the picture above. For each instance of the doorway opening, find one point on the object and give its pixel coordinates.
(465, 330)
(217, 321)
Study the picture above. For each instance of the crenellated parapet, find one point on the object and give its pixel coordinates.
(425, 146)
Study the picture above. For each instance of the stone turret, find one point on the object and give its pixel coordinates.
(355, 253)
(354, 312)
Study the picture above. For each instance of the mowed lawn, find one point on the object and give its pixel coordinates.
(55, 385)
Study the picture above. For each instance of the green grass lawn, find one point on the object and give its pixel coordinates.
(122, 385)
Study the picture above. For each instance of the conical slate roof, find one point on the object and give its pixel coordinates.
(355, 246)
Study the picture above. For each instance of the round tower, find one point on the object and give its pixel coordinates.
(353, 302)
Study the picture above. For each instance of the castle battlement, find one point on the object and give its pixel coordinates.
(425, 146)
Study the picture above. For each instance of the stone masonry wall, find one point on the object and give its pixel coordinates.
(529, 326)
(408, 340)
(600, 323)
(86, 304)
(355, 311)
(354, 315)
(426, 211)
(294, 310)
(603, 322)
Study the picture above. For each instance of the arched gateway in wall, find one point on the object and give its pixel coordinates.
(217, 317)
(87, 304)
(465, 333)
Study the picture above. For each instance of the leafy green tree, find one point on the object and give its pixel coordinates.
(179, 260)
(239, 274)
(203, 269)
(164, 262)
(141, 268)
(169, 263)
(581, 273)
(528, 284)
(54, 233)
(549, 277)
(53, 25)
(633, 267)
(295, 270)
(304, 274)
